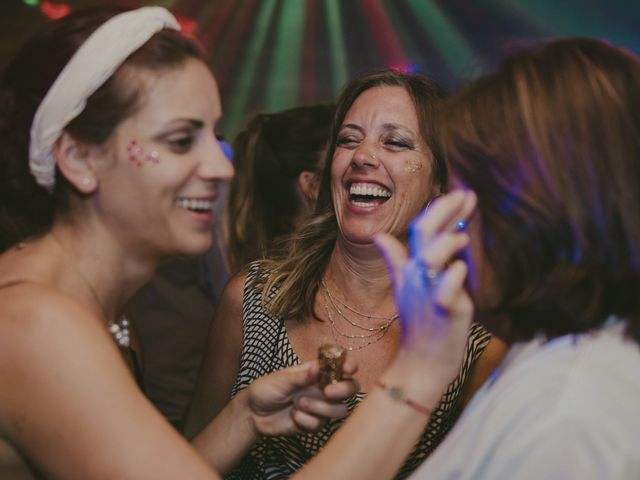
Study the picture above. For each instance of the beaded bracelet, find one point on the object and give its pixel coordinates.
(396, 393)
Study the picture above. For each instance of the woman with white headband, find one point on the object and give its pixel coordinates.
(108, 164)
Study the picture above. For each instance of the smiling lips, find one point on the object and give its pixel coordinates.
(364, 194)
(198, 205)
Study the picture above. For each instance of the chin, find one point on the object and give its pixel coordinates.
(198, 245)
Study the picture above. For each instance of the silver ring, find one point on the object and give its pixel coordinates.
(430, 276)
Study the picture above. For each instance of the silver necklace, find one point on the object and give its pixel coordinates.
(120, 332)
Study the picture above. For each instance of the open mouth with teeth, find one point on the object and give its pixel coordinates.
(367, 194)
(197, 205)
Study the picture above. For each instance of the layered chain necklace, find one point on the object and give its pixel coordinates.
(369, 335)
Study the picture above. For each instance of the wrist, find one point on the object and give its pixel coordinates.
(398, 394)
(244, 414)
(413, 380)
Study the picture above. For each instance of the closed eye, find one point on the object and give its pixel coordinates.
(395, 143)
(346, 141)
(182, 143)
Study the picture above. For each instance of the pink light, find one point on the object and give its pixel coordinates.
(188, 26)
(404, 68)
(55, 10)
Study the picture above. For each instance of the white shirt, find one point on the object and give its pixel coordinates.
(564, 409)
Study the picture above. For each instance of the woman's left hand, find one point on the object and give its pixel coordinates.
(291, 401)
(434, 307)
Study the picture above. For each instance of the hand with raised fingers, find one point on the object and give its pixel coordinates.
(291, 400)
(428, 280)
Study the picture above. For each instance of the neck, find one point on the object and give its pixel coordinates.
(359, 272)
(93, 260)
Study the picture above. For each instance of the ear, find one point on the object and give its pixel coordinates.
(308, 185)
(72, 159)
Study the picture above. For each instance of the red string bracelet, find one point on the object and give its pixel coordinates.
(397, 393)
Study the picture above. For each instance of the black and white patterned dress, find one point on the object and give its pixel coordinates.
(266, 348)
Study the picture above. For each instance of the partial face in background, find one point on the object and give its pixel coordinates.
(381, 170)
(159, 193)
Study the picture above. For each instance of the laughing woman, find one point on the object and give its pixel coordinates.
(382, 168)
(108, 164)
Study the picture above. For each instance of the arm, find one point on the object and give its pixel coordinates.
(378, 436)
(73, 408)
(282, 403)
(221, 360)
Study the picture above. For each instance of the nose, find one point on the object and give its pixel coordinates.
(215, 165)
(366, 155)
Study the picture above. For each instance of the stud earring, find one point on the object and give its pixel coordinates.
(86, 181)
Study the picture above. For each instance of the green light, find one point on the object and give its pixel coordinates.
(402, 32)
(337, 49)
(233, 115)
(455, 50)
(32, 3)
(556, 17)
(284, 77)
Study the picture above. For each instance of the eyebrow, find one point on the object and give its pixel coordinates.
(178, 122)
(191, 121)
(387, 127)
(353, 126)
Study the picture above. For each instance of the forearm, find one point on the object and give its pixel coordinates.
(379, 435)
(227, 439)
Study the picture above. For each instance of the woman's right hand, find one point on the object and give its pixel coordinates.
(291, 400)
(434, 308)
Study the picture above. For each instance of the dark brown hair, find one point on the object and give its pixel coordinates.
(550, 143)
(26, 208)
(268, 156)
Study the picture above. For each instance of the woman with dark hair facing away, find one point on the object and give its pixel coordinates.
(109, 164)
(331, 286)
(549, 144)
(278, 160)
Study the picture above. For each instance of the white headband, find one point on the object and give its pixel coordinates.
(92, 65)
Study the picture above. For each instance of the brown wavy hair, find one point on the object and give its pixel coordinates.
(295, 277)
(268, 156)
(26, 208)
(550, 143)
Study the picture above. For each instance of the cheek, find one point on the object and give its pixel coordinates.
(413, 165)
(140, 156)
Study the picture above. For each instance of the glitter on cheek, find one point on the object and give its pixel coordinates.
(138, 156)
(412, 166)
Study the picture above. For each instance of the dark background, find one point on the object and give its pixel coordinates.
(273, 54)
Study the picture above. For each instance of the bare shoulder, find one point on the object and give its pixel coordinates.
(30, 312)
(44, 335)
(221, 359)
(72, 401)
(234, 289)
(491, 357)
(226, 327)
